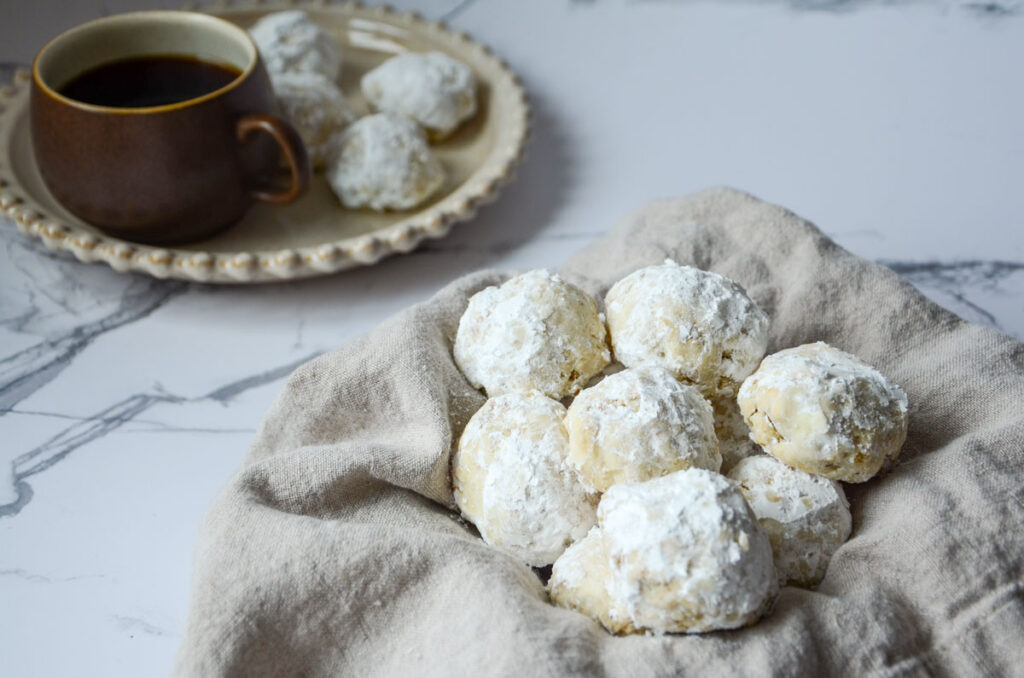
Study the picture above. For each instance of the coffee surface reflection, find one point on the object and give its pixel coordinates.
(147, 81)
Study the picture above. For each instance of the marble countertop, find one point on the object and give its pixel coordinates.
(127, 402)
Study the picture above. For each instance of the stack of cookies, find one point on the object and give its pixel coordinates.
(673, 475)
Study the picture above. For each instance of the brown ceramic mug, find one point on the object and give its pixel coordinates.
(166, 173)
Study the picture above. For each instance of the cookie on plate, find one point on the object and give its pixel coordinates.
(383, 162)
(290, 41)
(316, 108)
(432, 88)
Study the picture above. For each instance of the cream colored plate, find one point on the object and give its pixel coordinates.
(314, 236)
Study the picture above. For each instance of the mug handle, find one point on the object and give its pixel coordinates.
(291, 146)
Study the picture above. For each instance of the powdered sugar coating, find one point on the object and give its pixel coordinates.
(316, 108)
(383, 162)
(535, 331)
(824, 411)
(639, 424)
(290, 41)
(512, 481)
(432, 88)
(581, 580)
(699, 325)
(806, 517)
(733, 433)
(686, 553)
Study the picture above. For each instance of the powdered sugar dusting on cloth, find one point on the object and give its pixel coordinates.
(511, 478)
(686, 553)
(340, 501)
(699, 325)
(535, 331)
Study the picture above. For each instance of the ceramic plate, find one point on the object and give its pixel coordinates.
(314, 236)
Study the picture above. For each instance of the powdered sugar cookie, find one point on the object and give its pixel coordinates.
(433, 89)
(290, 41)
(824, 411)
(806, 517)
(317, 109)
(512, 481)
(535, 331)
(383, 162)
(640, 424)
(686, 553)
(733, 433)
(700, 326)
(581, 580)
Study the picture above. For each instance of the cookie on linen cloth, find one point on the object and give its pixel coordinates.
(512, 481)
(805, 516)
(432, 88)
(733, 433)
(581, 580)
(383, 162)
(698, 325)
(535, 331)
(316, 108)
(686, 554)
(290, 41)
(824, 411)
(640, 424)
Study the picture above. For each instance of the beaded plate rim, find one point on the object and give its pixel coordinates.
(482, 187)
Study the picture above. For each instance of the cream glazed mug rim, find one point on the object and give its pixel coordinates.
(50, 59)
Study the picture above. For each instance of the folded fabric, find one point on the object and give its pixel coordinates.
(336, 549)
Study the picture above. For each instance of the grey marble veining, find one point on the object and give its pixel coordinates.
(59, 307)
(126, 403)
(65, 307)
(986, 292)
(93, 427)
(991, 8)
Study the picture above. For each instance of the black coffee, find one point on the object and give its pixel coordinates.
(148, 81)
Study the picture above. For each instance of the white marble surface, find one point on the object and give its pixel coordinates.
(126, 403)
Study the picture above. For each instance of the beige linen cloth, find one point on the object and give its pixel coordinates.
(335, 550)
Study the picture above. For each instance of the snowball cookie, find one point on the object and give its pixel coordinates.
(512, 481)
(700, 326)
(580, 580)
(433, 89)
(824, 411)
(536, 331)
(639, 424)
(686, 553)
(383, 162)
(290, 41)
(733, 433)
(317, 109)
(806, 517)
